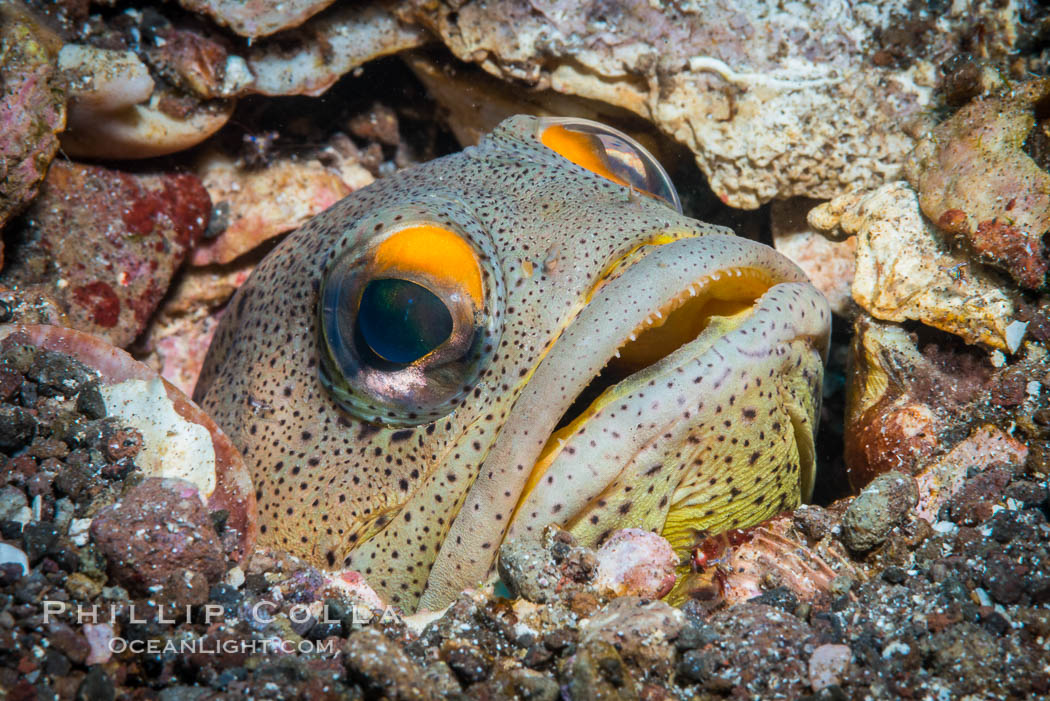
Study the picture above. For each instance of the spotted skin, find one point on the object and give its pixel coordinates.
(717, 434)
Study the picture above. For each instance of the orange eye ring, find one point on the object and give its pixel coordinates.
(432, 251)
(609, 153)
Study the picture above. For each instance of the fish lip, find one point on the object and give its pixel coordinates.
(751, 255)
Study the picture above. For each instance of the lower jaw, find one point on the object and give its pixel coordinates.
(702, 312)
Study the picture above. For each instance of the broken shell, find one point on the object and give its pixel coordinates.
(269, 201)
(886, 427)
(102, 80)
(635, 562)
(906, 270)
(141, 131)
(254, 18)
(906, 406)
(107, 118)
(743, 564)
(181, 441)
(329, 46)
(984, 448)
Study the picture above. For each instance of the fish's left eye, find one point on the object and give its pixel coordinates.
(608, 153)
(404, 324)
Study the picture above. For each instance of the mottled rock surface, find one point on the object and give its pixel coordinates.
(158, 528)
(138, 229)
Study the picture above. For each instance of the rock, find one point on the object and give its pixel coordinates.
(883, 505)
(10, 555)
(758, 650)
(39, 537)
(17, 427)
(940, 481)
(99, 637)
(33, 108)
(975, 180)
(59, 374)
(468, 662)
(637, 628)
(178, 438)
(597, 671)
(538, 572)
(973, 503)
(383, 668)
(138, 227)
(636, 562)
(12, 501)
(71, 643)
(906, 269)
(155, 530)
(97, 686)
(522, 568)
(254, 215)
(826, 665)
(740, 85)
(967, 656)
(186, 588)
(82, 587)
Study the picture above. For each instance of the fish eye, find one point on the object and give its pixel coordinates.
(609, 153)
(400, 321)
(403, 324)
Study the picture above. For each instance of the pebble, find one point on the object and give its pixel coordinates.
(155, 531)
(234, 577)
(79, 531)
(636, 562)
(17, 427)
(879, 508)
(827, 664)
(97, 686)
(9, 554)
(82, 587)
(98, 636)
(12, 501)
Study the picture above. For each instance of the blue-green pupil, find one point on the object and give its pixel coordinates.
(401, 321)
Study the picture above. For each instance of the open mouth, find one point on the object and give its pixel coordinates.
(700, 313)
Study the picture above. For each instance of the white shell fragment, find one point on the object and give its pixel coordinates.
(338, 42)
(113, 112)
(9, 554)
(906, 270)
(171, 445)
(102, 80)
(1015, 334)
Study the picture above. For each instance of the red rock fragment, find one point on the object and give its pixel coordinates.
(158, 528)
(101, 300)
(1008, 247)
(137, 228)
